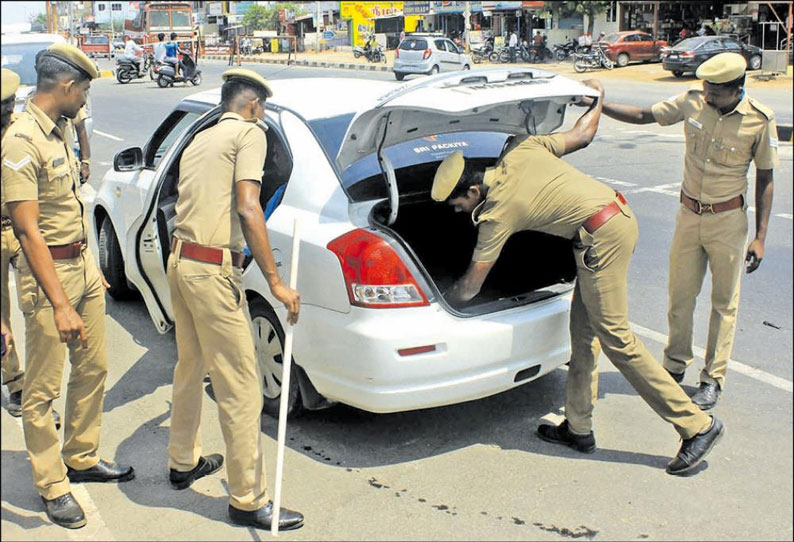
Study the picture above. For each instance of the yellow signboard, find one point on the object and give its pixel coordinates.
(363, 15)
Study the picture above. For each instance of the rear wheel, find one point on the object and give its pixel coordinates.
(434, 70)
(560, 54)
(162, 82)
(123, 76)
(580, 66)
(196, 80)
(678, 73)
(493, 57)
(399, 76)
(269, 351)
(755, 62)
(111, 263)
(623, 60)
(466, 67)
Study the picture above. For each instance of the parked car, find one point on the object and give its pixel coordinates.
(428, 54)
(19, 55)
(632, 45)
(690, 53)
(376, 255)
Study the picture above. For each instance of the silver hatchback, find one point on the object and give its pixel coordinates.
(428, 54)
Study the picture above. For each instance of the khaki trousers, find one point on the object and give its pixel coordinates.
(13, 375)
(717, 241)
(599, 319)
(213, 335)
(44, 362)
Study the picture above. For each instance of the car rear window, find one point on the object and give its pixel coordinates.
(688, 44)
(413, 44)
(364, 181)
(96, 40)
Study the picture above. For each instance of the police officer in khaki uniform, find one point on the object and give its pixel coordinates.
(530, 188)
(725, 130)
(13, 375)
(60, 289)
(217, 212)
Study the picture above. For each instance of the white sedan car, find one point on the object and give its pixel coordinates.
(376, 252)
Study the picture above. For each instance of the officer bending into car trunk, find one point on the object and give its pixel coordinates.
(725, 130)
(531, 188)
(217, 212)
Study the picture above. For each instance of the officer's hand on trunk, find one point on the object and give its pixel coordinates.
(70, 326)
(291, 299)
(755, 253)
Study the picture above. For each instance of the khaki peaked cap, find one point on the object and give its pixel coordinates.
(447, 176)
(722, 68)
(10, 84)
(74, 57)
(249, 76)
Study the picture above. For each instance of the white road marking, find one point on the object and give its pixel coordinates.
(784, 215)
(614, 181)
(669, 189)
(103, 134)
(739, 367)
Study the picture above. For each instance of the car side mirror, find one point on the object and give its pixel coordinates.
(128, 159)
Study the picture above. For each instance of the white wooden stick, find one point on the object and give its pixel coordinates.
(286, 364)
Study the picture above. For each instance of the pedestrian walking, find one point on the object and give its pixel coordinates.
(725, 130)
(531, 188)
(61, 290)
(213, 332)
(513, 44)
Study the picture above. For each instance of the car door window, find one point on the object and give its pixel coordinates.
(630, 39)
(165, 135)
(710, 47)
(440, 45)
(451, 47)
(731, 45)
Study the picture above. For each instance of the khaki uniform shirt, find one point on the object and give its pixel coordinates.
(39, 165)
(206, 212)
(3, 210)
(719, 148)
(531, 188)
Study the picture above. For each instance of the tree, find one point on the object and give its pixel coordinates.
(592, 9)
(267, 17)
(38, 22)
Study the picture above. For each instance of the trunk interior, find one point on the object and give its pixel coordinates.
(532, 266)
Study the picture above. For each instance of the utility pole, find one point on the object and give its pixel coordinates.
(317, 28)
(466, 26)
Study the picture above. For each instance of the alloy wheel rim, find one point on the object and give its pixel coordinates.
(269, 356)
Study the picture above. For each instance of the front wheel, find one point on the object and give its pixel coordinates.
(123, 76)
(269, 352)
(356, 54)
(623, 60)
(580, 66)
(493, 57)
(678, 73)
(559, 55)
(755, 62)
(111, 262)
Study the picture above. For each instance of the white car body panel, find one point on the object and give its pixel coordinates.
(350, 353)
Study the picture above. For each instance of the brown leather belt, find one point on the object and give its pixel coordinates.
(200, 253)
(602, 216)
(699, 208)
(67, 252)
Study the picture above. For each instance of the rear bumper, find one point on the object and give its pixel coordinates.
(353, 358)
(412, 67)
(687, 65)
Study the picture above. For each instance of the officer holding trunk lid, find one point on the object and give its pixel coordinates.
(531, 188)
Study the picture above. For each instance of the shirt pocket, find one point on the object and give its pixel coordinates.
(694, 138)
(735, 151)
(57, 181)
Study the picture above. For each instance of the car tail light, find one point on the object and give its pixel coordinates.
(397, 53)
(375, 276)
(427, 54)
(688, 54)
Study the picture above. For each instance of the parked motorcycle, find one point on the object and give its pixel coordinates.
(127, 70)
(478, 54)
(166, 75)
(500, 55)
(565, 50)
(595, 59)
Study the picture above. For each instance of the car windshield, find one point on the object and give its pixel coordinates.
(413, 45)
(21, 58)
(689, 44)
(611, 38)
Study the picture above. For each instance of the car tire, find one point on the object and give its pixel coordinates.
(466, 67)
(678, 73)
(123, 76)
(111, 262)
(434, 70)
(622, 60)
(399, 76)
(269, 349)
(755, 62)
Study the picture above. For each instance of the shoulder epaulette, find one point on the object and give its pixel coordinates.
(764, 110)
(23, 136)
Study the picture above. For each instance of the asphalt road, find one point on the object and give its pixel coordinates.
(475, 470)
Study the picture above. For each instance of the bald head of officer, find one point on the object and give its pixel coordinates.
(64, 75)
(723, 77)
(10, 84)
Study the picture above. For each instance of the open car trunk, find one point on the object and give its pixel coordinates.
(533, 266)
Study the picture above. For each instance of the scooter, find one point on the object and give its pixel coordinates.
(166, 76)
(127, 70)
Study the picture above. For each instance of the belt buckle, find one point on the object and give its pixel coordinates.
(702, 207)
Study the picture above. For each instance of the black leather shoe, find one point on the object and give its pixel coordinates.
(561, 434)
(263, 518)
(678, 377)
(707, 396)
(15, 404)
(206, 466)
(104, 471)
(65, 511)
(57, 418)
(695, 449)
